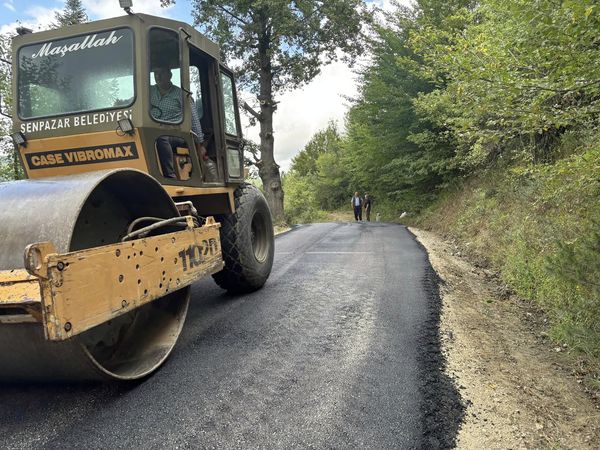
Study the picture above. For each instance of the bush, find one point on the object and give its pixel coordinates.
(539, 226)
(299, 200)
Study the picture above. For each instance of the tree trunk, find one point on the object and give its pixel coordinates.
(16, 165)
(268, 169)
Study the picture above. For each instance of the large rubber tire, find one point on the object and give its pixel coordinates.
(247, 242)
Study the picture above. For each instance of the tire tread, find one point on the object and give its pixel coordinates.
(239, 275)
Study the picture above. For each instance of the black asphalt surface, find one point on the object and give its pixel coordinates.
(340, 349)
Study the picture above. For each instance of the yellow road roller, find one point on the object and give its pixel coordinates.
(129, 134)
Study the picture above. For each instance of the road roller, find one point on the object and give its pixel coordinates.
(134, 189)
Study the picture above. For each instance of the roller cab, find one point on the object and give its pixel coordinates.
(88, 98)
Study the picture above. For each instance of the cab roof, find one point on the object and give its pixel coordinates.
(138, 22)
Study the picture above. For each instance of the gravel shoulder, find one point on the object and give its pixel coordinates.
(520, 392)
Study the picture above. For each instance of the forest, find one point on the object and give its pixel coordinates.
(480, 120)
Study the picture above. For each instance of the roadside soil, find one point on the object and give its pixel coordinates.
(278, 229)
(520, 391)
(341, 216)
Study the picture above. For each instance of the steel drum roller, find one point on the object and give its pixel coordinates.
(78, 212)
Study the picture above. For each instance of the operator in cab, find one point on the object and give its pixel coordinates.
(166, 101)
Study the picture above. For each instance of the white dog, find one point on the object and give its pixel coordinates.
(377, 217)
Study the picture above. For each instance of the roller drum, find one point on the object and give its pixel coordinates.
(74, 213)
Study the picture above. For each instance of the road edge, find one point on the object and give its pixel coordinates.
(519, 393)
(443, 409)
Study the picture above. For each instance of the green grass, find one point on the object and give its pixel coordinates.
(539, 227)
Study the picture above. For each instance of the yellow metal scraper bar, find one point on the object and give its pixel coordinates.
(20, 298)
(85, 288)
(18, 287)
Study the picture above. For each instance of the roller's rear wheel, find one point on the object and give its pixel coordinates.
(78, 212)
(247, 242)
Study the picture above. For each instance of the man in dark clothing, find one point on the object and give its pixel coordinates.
(367, 204)
(357, 202)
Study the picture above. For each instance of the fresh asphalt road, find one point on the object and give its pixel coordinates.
(340, 349)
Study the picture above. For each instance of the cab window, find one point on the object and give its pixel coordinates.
(229, 104)
(166, 96)
(77, 74)
(200, 70)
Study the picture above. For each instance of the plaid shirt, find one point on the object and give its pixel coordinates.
(169, 108)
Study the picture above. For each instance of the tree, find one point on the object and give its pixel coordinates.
(318, 162)
(277, 45)
(323, 141)
(391, 151)
(71, 15)
(10, 167)
(519, 75)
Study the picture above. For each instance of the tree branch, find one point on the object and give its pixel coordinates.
(256, 115)
(238, 18)
(535, 87)
(307, 17)
(251, 148)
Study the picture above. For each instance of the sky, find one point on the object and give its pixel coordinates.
(301, 112)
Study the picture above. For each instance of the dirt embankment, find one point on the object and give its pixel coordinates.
(520, 391)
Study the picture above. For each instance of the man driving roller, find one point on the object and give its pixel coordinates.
(166, 105)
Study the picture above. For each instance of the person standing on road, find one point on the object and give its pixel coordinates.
(367, 204)
(357, 202)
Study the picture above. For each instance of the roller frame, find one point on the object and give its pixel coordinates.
(72, 292)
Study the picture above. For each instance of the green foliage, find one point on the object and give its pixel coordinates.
(490, 110)
(331, 185)
(72, 14)
(538, 224)
(391, 151)
(10, 167)
(517, 91)
(400, 157)
(319, 163)
(300, 201)
(327, 140)
(517, 74)
(276, 45)
(5, 73)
